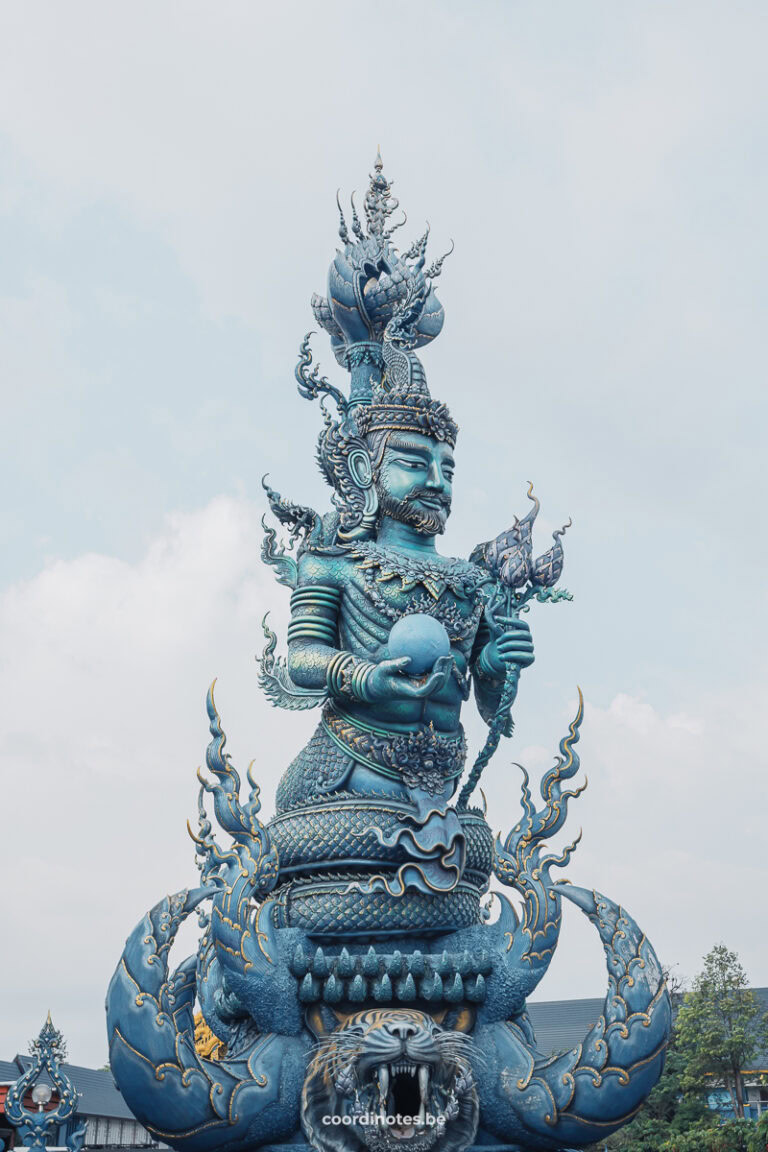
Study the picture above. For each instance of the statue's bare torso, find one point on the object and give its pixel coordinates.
(378, 587)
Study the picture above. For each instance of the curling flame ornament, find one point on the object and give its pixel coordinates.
(353, 991)
(45, 1082)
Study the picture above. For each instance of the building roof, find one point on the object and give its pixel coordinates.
(8, 1072)
(562, 1024)
(98, 1092)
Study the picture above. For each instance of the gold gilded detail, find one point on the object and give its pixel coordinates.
(207, 1044)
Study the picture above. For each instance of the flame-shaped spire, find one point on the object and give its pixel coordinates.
(37, 1126)
(379, 309)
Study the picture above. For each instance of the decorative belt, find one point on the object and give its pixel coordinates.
(422, 759)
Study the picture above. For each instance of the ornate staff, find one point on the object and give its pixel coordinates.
(519, 578)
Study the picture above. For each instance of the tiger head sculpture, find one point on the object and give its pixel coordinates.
(385, 1079)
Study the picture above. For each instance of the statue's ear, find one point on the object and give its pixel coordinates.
(460, 1019)
(360, 467)
(347, 465)
(361, 524)
(361, 472)
(322, 1019)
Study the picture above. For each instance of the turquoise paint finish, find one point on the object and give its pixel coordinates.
(348, 961)
(421, 639)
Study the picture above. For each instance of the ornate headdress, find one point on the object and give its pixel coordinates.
(379, 308)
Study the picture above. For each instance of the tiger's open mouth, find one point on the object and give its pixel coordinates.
(407, 1107)
(404, 1091)
(400, 1085)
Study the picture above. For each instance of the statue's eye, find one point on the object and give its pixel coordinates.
(405, 463)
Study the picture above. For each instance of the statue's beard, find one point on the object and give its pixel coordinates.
(428, 521)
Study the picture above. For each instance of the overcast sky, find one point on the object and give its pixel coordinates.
(167, 183)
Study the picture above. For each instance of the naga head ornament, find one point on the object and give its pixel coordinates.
(380, 307)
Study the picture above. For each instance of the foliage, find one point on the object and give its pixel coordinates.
(706, 1134)
(758, 1141)
(731, 1136)
(720, 1027)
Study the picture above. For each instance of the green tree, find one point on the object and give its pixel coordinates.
(720, 1027)
(731, 1136)
(758, 1141)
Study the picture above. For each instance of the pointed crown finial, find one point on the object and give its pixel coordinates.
(380, 308)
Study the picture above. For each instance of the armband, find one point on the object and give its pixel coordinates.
(314, 614)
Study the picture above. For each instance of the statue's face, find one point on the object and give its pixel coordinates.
(414, 481)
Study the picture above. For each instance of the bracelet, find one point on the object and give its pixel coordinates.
(359, 682)
(334, 673)
(484, 669)
(347, 677)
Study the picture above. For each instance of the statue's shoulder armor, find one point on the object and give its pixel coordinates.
(467, 568)
(322, 566)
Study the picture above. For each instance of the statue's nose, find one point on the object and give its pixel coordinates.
(435, 478)
(403, 1030)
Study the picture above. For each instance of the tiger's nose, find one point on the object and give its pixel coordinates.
(403, 1030)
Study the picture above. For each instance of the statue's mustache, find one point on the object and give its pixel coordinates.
(441, 498)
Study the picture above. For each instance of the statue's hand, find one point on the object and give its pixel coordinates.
(514, 645)
(387, 682)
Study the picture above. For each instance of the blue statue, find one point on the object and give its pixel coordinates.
(39, 1126)
(357, 990)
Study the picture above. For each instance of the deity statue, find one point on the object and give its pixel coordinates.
(353, 989)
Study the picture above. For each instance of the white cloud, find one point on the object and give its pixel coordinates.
(104, 671)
